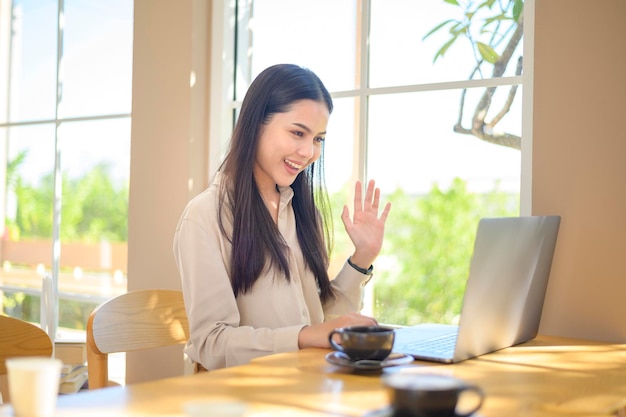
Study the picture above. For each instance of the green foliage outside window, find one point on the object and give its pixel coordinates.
(73, 314)
(420, 274)
(426, 255)
(422, 270)
(94, 208)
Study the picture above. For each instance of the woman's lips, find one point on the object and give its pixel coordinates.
(293, 167)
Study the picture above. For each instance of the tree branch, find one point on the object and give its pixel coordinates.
(509, 100)
(485, 131)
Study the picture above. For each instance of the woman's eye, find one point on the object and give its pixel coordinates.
(320, 139)
(298, 133)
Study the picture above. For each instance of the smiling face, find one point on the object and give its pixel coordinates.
(290, 142)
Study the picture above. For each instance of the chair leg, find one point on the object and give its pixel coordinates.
(97, 368)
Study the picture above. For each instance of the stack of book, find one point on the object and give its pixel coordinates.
(73, 379)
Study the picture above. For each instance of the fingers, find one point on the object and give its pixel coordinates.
(358, 202)
(372, 193)
(371, 321)
(371, 203)
(383, 217)
(376, 199)
(355, 319)
(345, 216)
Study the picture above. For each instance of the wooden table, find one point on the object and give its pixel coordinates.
(547, 376)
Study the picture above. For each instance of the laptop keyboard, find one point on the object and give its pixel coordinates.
(443, 344)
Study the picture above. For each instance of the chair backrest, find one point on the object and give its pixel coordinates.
(20, 338)
(137, 320)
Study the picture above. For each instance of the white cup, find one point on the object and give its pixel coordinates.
(215, 408)
(33, 385)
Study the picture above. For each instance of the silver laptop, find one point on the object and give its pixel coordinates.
(503, 297)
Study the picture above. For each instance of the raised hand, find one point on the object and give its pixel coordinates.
(366, 229)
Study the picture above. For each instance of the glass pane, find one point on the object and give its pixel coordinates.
(32, 87)
(444, 158)
(27, 204)
(97, 57)
(317, 34)
(95, 158)
(416, 132)
(338, 165)
(440, 183)
(339, 144)
(402, 54)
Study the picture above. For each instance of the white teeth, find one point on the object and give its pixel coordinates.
(291, 164)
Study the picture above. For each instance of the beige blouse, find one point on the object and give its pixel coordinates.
(227, 331)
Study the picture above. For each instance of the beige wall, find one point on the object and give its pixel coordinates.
(579, 162)
(168, 151)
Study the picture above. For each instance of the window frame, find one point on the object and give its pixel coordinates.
(223, 106)
(49, 291)
(223, 80)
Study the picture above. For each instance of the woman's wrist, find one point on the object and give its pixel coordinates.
(361, 269)
(315, 335)
(302, 341)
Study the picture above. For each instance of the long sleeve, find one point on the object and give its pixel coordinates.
(218, 335)
(348, 286)
(226, 330)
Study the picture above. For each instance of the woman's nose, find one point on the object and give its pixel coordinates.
(307, 150)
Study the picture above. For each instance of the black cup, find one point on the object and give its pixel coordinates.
(431, 395)
(363, 342)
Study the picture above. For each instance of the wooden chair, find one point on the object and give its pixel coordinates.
(20, 338)
(137, 320)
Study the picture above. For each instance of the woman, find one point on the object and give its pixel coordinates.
(252, 248)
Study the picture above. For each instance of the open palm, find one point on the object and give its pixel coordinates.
(366, 229)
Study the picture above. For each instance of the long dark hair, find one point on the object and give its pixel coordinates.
(256, 241)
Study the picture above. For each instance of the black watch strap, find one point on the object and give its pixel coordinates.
(367, 271)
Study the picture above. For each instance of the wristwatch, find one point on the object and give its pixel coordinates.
(367, 271)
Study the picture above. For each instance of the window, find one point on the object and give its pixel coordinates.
(428, 102)
(65, 71)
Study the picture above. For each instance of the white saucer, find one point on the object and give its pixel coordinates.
(381, 412)
(341, 359)
(388, 412)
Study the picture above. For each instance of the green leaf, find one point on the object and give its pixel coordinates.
(454, 2)
(487, 52)
(439, 26)
(518, 8)
(492, 19)
(458, 29)
(441, 52)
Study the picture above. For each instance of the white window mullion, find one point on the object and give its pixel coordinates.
(50, 301)
(361, 142)
(527, 109)
(223, 72)
(362, 156)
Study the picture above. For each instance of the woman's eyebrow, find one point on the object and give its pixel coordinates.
(307, 129)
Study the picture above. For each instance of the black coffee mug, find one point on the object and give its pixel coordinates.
(363, 342)
(431, 395)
